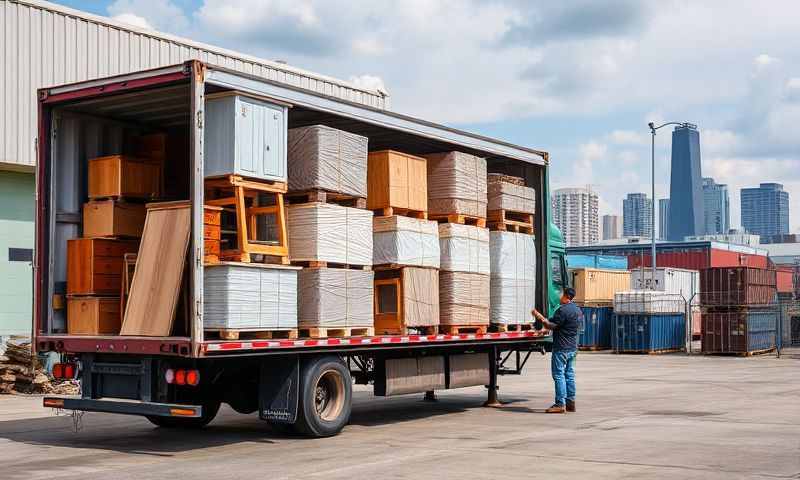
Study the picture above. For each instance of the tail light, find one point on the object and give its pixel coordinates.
(182, 376)
(64, 371)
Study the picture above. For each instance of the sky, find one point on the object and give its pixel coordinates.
(578, 78)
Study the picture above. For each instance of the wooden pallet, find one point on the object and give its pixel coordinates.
(459, 218)
(403, 212)
(429, 330)
(336, 332)
(233, 334)
(459, 329)
(325, 196)
(321, 264)
(510, 221)
(512, 327)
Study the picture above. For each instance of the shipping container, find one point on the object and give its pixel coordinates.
(685, 283)
(597, 285)
(648, 333)
(595, 333)
(747, 330)
(731, 286)
(608, 262)
(784, 279)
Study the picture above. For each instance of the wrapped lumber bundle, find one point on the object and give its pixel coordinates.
(324, 158)
(250, 296)
(334, 297)
(456, 184)
(513, 277)
(464, 248)
(509, 193)
(405, 241)
(326, 232)
(463, 298)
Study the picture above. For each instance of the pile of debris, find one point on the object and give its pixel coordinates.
(21, 372)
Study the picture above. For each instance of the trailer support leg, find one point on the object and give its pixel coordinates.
(430, 396)
(491, 400)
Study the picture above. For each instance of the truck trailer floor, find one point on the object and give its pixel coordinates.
(638, 416)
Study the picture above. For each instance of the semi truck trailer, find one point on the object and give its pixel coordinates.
(304, 384)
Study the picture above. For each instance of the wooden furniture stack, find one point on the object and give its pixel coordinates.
(405, 245)
(457, 200)
(511, 206)
(330, 231)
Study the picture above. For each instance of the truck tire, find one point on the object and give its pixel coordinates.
(326, 393)
(210, 410)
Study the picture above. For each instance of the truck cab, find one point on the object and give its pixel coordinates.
(557, 268)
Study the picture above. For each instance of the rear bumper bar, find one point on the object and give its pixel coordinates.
(126, 408)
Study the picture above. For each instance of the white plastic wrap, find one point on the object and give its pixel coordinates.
(321, 157)
(464, 248)
(513, 277)
(463, 298)
(335, 297)
(648, 301)
(456, 184)
(405, 241)
(330, 233)
(670, 280)
(503, 195)
(249, 297)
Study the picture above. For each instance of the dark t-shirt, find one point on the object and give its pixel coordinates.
(568, 320)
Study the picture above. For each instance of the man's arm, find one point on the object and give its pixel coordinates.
(547, 323)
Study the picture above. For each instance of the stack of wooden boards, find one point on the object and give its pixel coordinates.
(20, 372)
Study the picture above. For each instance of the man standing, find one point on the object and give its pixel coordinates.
(565, 325)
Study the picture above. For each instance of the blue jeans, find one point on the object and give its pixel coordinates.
(563, 368)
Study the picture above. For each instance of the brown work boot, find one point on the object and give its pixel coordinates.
(555, 409)
(570, 405)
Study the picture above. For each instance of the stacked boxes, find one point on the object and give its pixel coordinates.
(678, 281)
(456, 185)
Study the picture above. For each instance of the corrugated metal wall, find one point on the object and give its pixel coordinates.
(42, 44)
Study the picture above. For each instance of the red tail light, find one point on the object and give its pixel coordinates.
(192, 377)
(64, 371)
(182, 377)
(58, 370)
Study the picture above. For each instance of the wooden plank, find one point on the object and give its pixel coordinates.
(155, 287)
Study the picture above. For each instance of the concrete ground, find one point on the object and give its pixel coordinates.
(639, 416)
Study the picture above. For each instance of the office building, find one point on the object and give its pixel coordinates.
(765, 209)
(663, 219)
(685, 191)
(575, 213)
(716, 207)
(612, 227)
(637, 216)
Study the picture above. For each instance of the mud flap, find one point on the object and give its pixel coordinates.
(279, 389)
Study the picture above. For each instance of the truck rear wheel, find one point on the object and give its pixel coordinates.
(326, 392)
(210, 410)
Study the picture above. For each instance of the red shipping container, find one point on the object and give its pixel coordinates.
(698, 259)
(732, 286)
(785, 279)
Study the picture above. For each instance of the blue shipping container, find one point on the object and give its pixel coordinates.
(595, 332)
(762, 330)
(642, 333)
(740, 330)
(597, 261)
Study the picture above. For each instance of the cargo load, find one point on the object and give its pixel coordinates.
(405, 241)
(325, 232)
(397, 182)
(513, 277)
(324, 158)
(406, 298)
(464, 248)
(509, 193)
(334, 297)
(456, 184)
(594, 285)
(463, 299)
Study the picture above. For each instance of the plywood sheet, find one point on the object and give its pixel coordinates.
(159, 269)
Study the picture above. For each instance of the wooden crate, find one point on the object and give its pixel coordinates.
(397, 181)
(111, 218)
(93, 316)
(94, 265)
(121, 176)
(405, 299)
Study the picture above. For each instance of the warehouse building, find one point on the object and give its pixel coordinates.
(46, 44)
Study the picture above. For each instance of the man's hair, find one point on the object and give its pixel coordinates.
(569, 292)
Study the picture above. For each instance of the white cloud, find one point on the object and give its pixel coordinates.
(629, 137)
(133, 19)
(153, 14)
(371, 82)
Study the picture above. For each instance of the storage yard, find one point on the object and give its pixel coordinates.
(664, 416)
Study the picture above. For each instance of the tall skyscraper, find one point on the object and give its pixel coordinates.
(637, 215)
(575, 213)
(765, 209)
(685, 190)
(716, 207)
(663, 219)
(612, 227)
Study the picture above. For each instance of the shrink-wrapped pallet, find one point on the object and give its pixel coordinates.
(408, 300)
(249, 297)
(324, 158)
(503, 194)
(463, 298)
(513, 277)
(648, 301)
(334, 297)
(405, 241)
(464, 248)
(326, 232)
(456, 184)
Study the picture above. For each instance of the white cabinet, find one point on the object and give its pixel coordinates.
(245, 136)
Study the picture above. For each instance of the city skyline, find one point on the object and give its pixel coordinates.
(575, 213)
